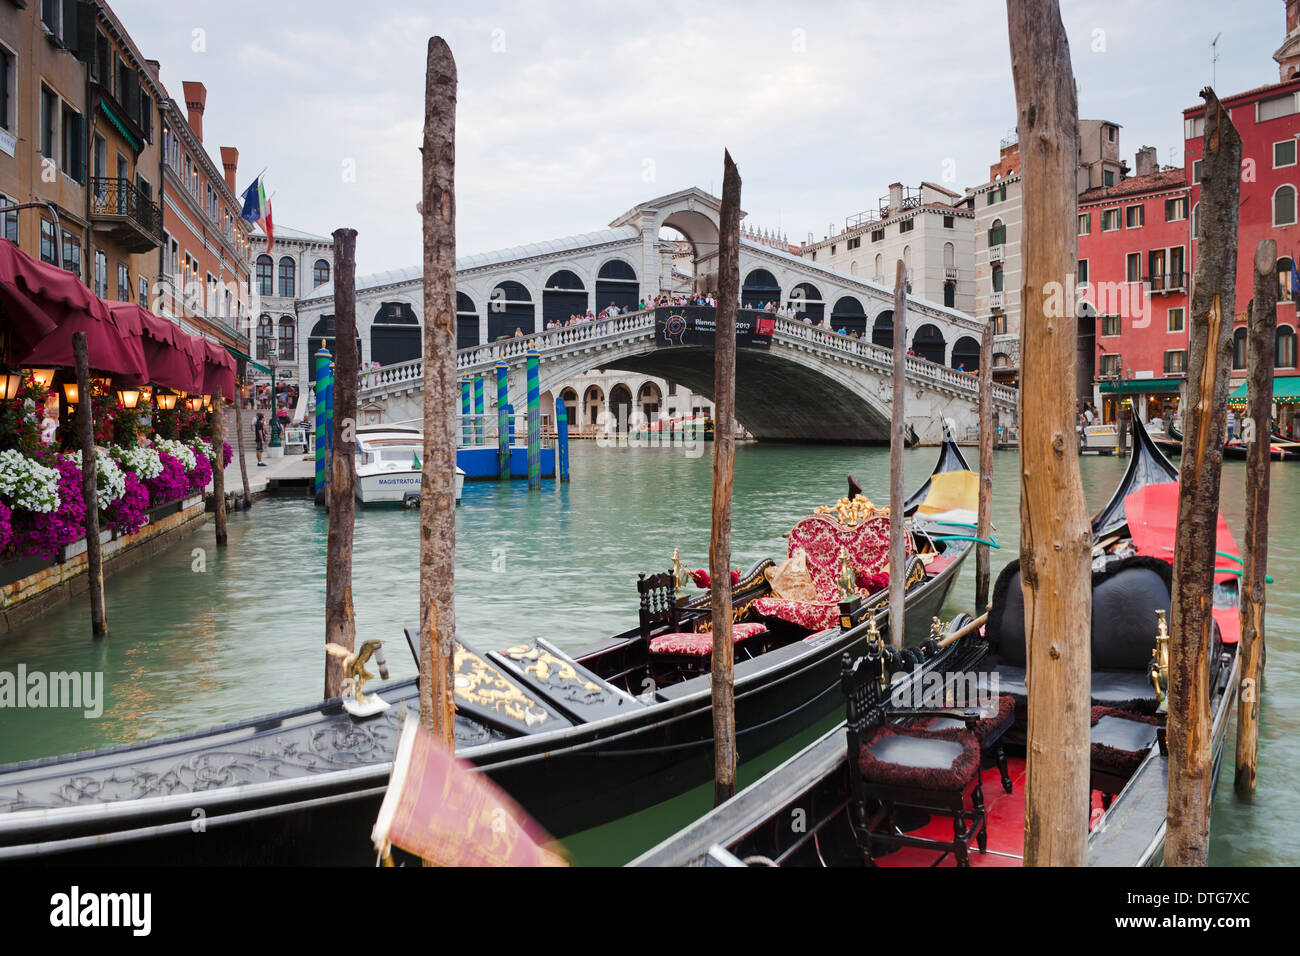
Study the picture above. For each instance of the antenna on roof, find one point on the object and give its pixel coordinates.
(1214, 59)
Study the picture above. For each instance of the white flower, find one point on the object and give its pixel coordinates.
(27, 484)
(143, 461)
(177, 450)
(110, 483)
(205, 446)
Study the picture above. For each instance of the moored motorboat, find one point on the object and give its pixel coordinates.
(388, 465)
(577, 739)
(836, 782)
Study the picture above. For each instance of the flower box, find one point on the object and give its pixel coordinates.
(15, 569)
(165, 510)
(71, 551)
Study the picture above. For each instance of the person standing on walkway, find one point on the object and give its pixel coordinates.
(259, 437)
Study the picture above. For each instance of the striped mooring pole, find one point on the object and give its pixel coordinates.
(503, 425)
(323, 387)
(478, 409)
(533, 364)
(464, 411)
(562, 439)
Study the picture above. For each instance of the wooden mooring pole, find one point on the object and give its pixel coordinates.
(1260, 345)
(86, 432)
(985, 521)
(1187, 837)
(724, 453)
(340, 618)
(1055, 536)
(438, 480)
(897, 497)
(217, 435)
(239, 435)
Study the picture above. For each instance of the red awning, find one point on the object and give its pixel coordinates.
(219, 369)
(174, 358)
(1153, 517)
(45, 305)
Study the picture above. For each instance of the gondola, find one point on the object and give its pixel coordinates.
(577, 739)
(1129, 766)
(1279, 449)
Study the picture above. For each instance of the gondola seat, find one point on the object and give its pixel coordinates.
(662, 623)
(988, 731)
(919, 758)
(821, 537)
(1121, 740)
(685, 642)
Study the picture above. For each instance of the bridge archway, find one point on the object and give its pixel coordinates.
(569, 397)
(593, 404)
(760, 288)
(511, 307)
(806, 302)
(966, 354)
(395, 334)
(701, 232)
(620, 408)
(928, 342)
(616, 282)
(849, 315)
(882, 331)
(649, 401)
(563, 295)
(466, 322)
(322, 334)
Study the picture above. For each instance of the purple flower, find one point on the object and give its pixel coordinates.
(43, 535)
(127, 514)
(6, 529)
(171, 484)
(202, 472)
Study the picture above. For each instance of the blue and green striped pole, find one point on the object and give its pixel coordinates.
(562, 439)
(503, 426)
(322, 385)
(478, 409)
(533, 365)
(464, 411)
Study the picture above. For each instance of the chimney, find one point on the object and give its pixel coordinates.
(230, 162)
(154, 67)
(196, 98)
(1146, 161)
(895, 197)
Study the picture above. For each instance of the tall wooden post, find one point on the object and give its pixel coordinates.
(1055, 537)
(340, 619)
(239, 439)
(438, 481)
(724, 453)
(985, 521)
(897, 441)
(217, 434)
(1187, 839)
(1260, 345)
(86, 432)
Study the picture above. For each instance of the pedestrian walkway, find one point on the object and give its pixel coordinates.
(259, 479)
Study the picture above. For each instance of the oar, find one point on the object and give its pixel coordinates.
(962, 632)
(967, 537)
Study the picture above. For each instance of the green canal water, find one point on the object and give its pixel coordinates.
(202, 637)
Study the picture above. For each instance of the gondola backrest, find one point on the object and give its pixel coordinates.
(658, 602)
(864, 698)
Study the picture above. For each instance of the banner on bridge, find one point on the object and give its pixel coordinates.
(696, 325)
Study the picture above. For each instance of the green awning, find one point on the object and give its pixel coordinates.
(1129, 386)
(1286, 388)
(121, 127)
(249, 359)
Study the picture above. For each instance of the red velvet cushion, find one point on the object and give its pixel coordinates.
(950, 759)
(683, 642)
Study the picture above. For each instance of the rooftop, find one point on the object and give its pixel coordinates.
(1151, 182)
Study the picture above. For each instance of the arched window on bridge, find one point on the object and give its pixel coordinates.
(570, 399)
(649, 401)
(265, 275)
(395, 334)
(593, 401)
(966, 354)
(882, 331)
(320, 273)
(806, 302)
(265, 331)
(288, 326)
(509, 308)
(620, 407)
(466, 322)
(563, 296)
(286, 277)
(759, 289)
(848, 316)
(616, 282)
(322, 335)
(928, 342)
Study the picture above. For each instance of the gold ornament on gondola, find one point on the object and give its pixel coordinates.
(850, 511)
(1160, 663)
(354, 671)
(847, 580)
(680, 574)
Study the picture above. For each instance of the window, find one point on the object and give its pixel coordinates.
(1133, 267)
(997, 194)
(7, 119)
(950, 294)
(832, 249)
(906, 225)
(1000, 324)
(1176, 209)
(1174, 320)
(1110, 133)
(50, 18)
(264, 332)
(286, 339)
(1275, 108)
(1110, 325)
(1286, 280)
(1109, 177)
(1194, 128)
(1177, 268)
(877, 235)
(47, 241)
(1085, 223)
(72, 254)
(1109, 365)
(855, 242)
(948, 222)
(1196, 219)
(213, 297)
(1109, 220)
(1284, 153)
(265, 270)
(320, 273)
(1284, 206)
(123, 282)
(997, 278)
(1156, 269)
(286, 277)
(1239, 349)
(1134, 217)
(144, 292)
(99, 66)
(997, 233)
(74, 144)
(101, 274)
(1196, 171)
(49, 123)
(8, 221)
(1285, 347)
(1082, 276)
(1176, 361)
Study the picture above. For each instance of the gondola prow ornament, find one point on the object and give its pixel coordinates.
(355, 675)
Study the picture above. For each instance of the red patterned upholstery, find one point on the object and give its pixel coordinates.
(683, 642)
(820, 537)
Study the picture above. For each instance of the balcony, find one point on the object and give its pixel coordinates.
(950, 272)
(997, 252)
(1167, 282)
(997, 300)
(119, 210)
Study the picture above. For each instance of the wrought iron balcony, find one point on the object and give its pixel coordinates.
(120, 209)
(1167, 281)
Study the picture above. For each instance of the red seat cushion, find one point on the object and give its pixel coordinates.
(920, 759)
(683, 642)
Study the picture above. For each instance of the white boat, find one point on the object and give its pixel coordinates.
(389, 465)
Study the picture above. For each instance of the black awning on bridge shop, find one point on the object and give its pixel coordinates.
(848, 316)
(759, 289)
(882, 330)
(466, 322)
(395, 334)
(807, 303)
(966, 354)
(510, 309)
(322, 335)
(563, 296)
(616, 282)
(929, 343)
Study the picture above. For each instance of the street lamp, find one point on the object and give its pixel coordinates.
(273, 360)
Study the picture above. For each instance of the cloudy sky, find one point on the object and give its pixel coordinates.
(571, 113)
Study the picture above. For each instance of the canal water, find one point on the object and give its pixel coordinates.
(201, 636)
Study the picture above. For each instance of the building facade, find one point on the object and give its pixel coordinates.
(996, 206)
(297, 264)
